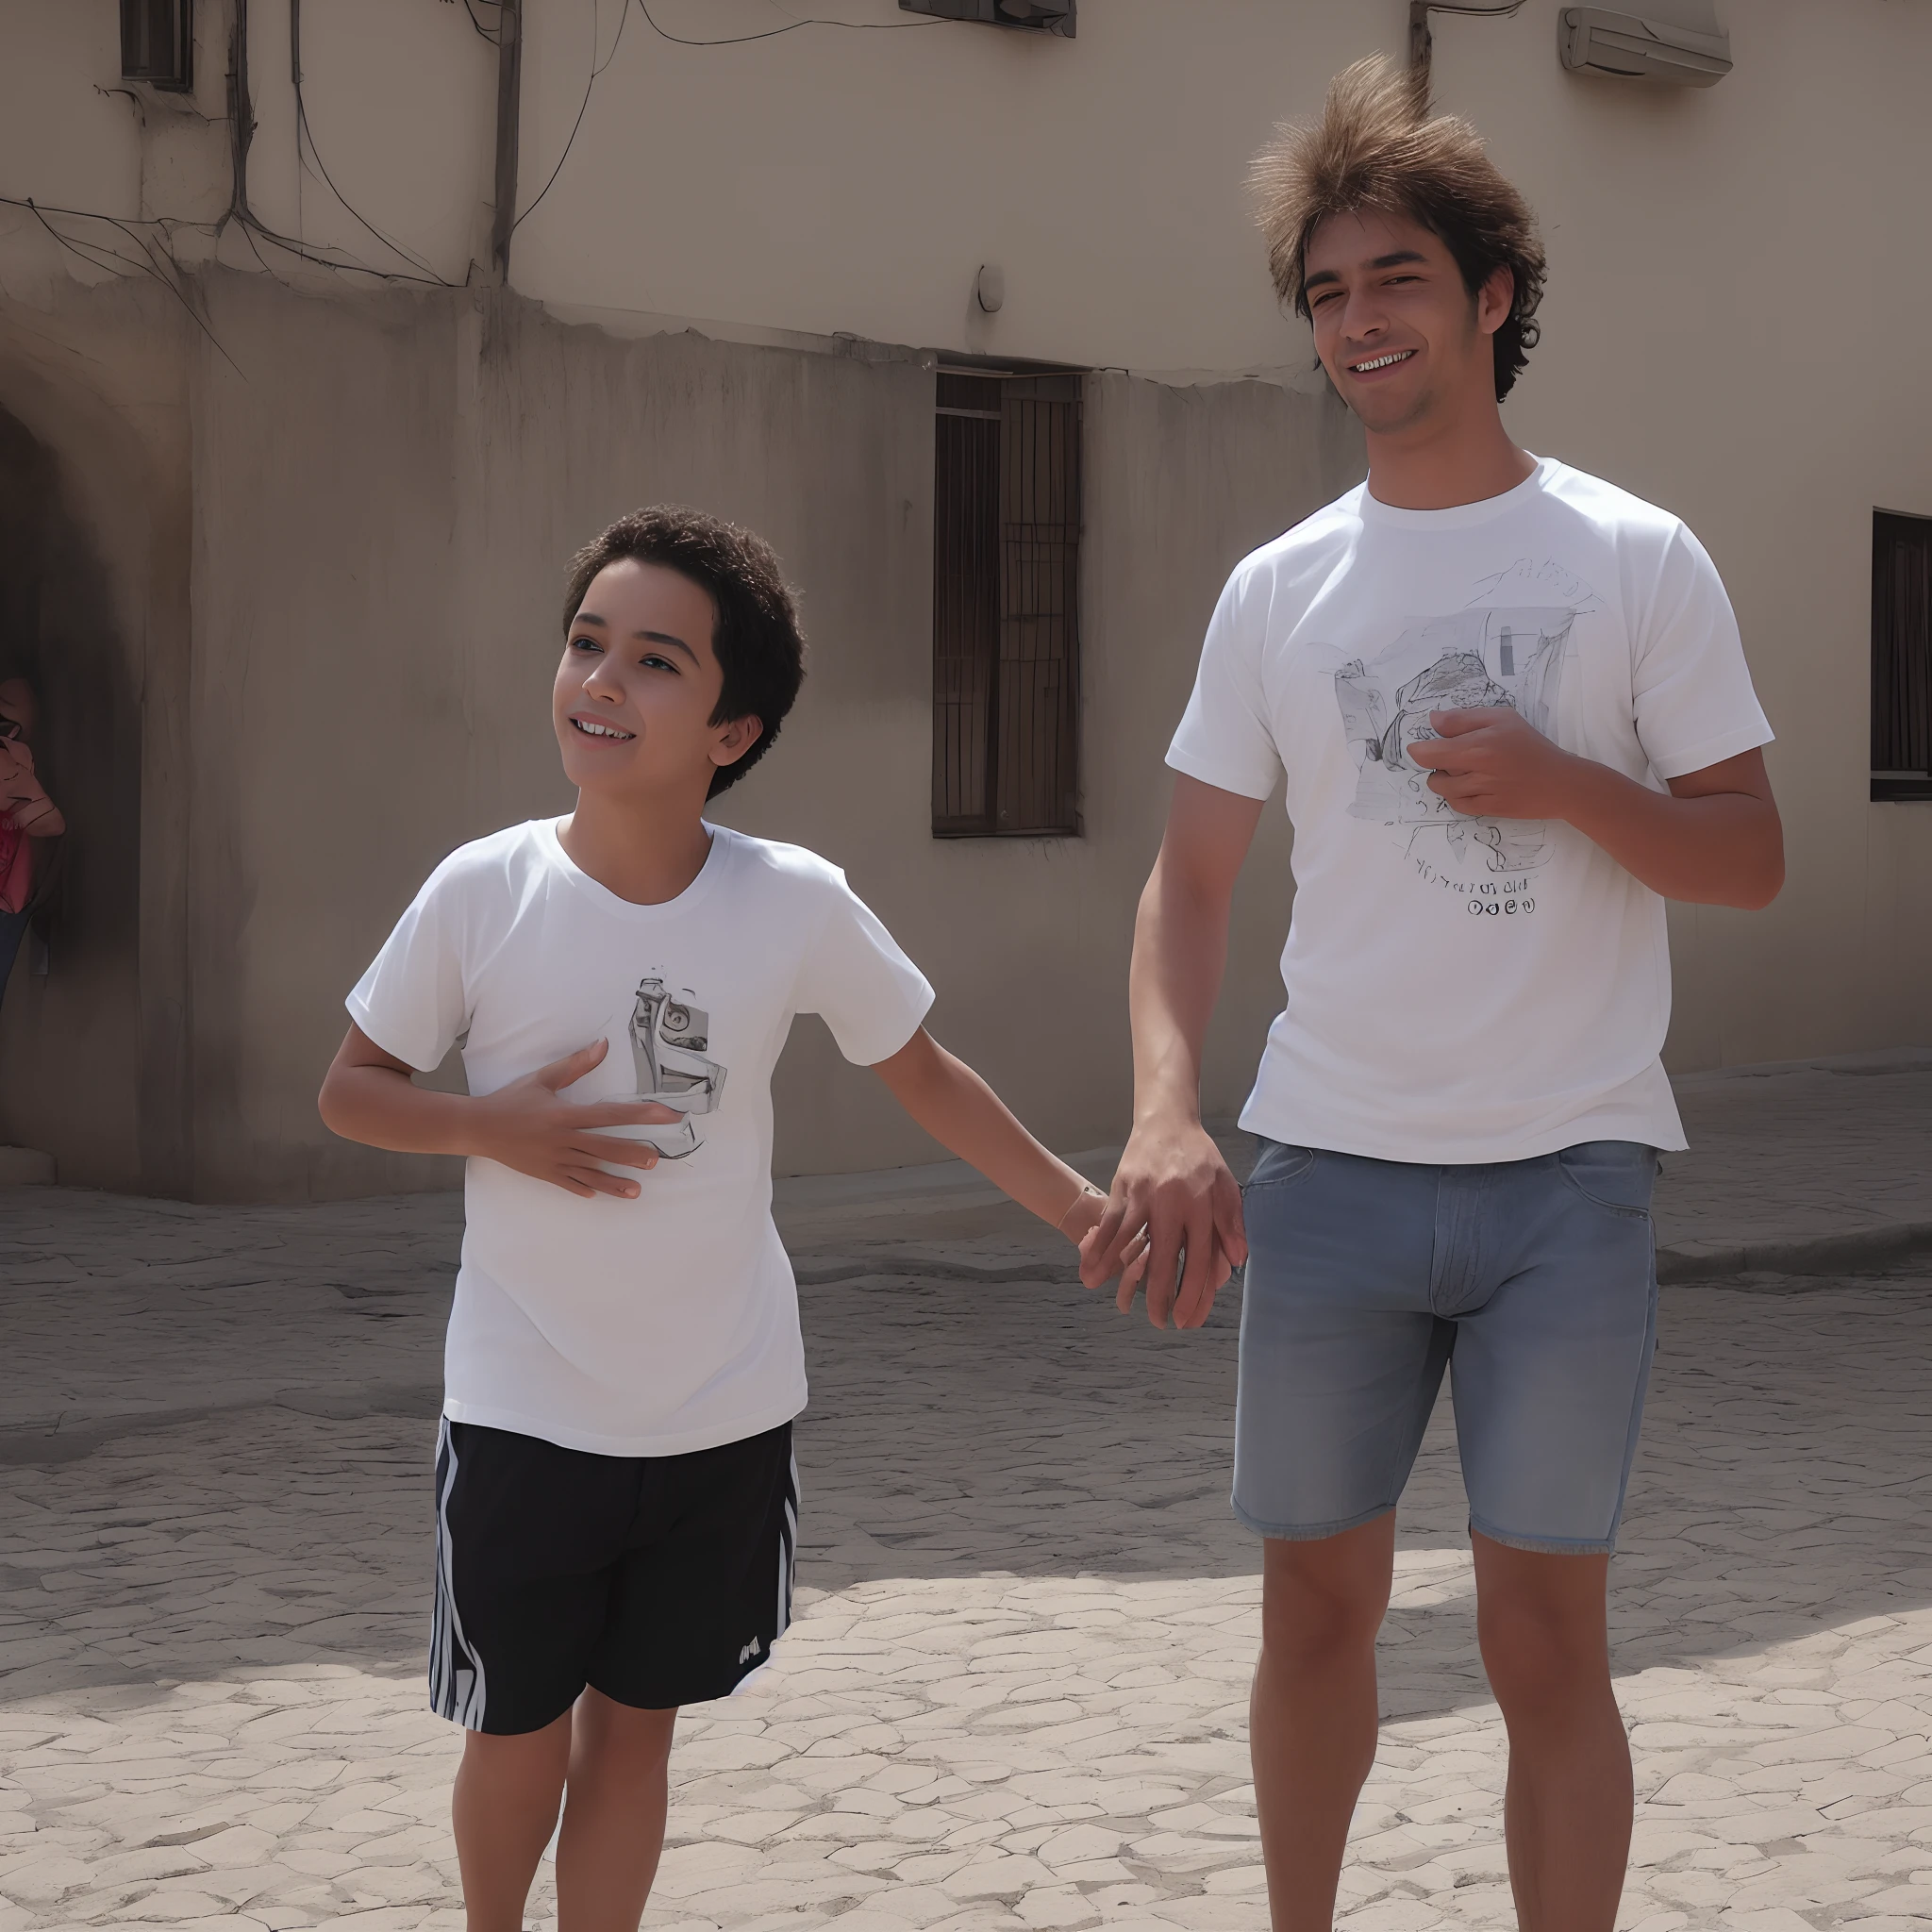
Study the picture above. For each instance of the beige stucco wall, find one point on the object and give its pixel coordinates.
(368, 520)
(96, 511)
(384, 507)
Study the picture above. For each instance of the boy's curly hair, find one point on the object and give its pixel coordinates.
(1377, 149)
(754, 634)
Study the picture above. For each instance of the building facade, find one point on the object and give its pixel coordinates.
(974, 324)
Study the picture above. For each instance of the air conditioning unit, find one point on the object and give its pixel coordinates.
(1675, 40)
(1036, 16)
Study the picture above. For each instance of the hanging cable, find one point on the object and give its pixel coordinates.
(98, 256)
(583, 105)
(303, 131)
(862, 27)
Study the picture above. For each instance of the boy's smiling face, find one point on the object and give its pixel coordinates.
(638, 686)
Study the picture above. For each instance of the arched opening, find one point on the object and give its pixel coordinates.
(70, 1020)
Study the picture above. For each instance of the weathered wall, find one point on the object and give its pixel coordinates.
(385, 505)
(93, 546)
(375, 516)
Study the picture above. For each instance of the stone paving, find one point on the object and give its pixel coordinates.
(1016, 1692)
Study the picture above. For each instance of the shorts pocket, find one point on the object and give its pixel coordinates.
(1616, 1175)
(1280, 1165)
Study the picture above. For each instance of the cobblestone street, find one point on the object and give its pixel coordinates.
(1016, 1693)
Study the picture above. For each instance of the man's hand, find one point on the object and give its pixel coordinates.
(1493, 763)
(1172, 1183)
(527, 1126)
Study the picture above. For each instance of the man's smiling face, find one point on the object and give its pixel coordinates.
(639, 683)
(1395, 326)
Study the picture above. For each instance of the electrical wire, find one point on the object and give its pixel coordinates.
(598, 67)
(862, 26)
(583, 105)
(315, 154)
(98, 256)
(470, 8)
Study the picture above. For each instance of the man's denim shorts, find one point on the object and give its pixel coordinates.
(1534, 1281)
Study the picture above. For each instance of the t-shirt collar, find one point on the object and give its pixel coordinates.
(1460, 516)
(715, 862)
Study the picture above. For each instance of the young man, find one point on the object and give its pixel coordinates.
(616, 1499)
(1514, 716)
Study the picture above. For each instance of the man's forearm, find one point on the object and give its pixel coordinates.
(1721, 848)
(1180, 953)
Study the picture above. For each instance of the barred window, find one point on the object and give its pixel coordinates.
(1005, 605)
(158, 42)
(1901, 656)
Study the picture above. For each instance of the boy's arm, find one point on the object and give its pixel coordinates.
(368, 1096)
(960, 1112)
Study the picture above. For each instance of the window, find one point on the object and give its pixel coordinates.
(1005, 605)
(1901, 656)
(158, 42)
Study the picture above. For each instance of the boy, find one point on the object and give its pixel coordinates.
(1513, 713)
(616, 1497)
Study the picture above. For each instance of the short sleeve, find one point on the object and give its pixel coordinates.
(1224, 738)
(411, 1002)
(1691, 689)
(856, 978)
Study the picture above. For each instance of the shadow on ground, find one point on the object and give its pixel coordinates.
(957, 1429)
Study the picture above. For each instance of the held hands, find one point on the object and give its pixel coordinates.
(1493, 763)
(527, 1126)
(1174, 1219)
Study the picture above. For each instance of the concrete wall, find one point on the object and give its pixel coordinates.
(95, 522)
(364, 497)
(385, 507)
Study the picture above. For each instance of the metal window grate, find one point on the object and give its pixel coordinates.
(1900, 655)
(1005, 605)
(158, 42)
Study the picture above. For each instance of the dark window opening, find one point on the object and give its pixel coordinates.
(1901, 656)
(158, 42)
(1005, 605)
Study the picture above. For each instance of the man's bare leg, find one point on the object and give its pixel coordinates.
(613, 1814)
(504, 1809)
(1312, 1719)
(1568, 1806)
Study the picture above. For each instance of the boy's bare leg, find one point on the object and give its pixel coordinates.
(613, 1814)
(505, 1807)
(1567, 1811)
(1313, 1716)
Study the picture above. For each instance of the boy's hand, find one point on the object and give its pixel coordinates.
(1173, 1194)
(1081, 1222)
(527, 1126)
(1493, 763)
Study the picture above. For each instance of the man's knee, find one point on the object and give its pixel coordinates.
(1543, 1650)
(1323, 1601)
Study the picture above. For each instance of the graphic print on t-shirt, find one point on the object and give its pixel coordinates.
(669, 1039)
(1492, 652)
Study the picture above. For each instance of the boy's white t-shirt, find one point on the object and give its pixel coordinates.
(1466, 989)
(668, 1323)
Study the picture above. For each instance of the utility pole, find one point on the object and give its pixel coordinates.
(509, 88)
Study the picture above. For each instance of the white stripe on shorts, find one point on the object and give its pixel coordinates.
(456, 1686)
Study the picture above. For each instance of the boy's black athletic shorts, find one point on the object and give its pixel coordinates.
(660, 1580)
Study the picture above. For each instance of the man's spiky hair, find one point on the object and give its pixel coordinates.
(1377, 150)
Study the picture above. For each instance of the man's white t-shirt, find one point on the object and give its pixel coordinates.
(1466, 989)
(668, 1323)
